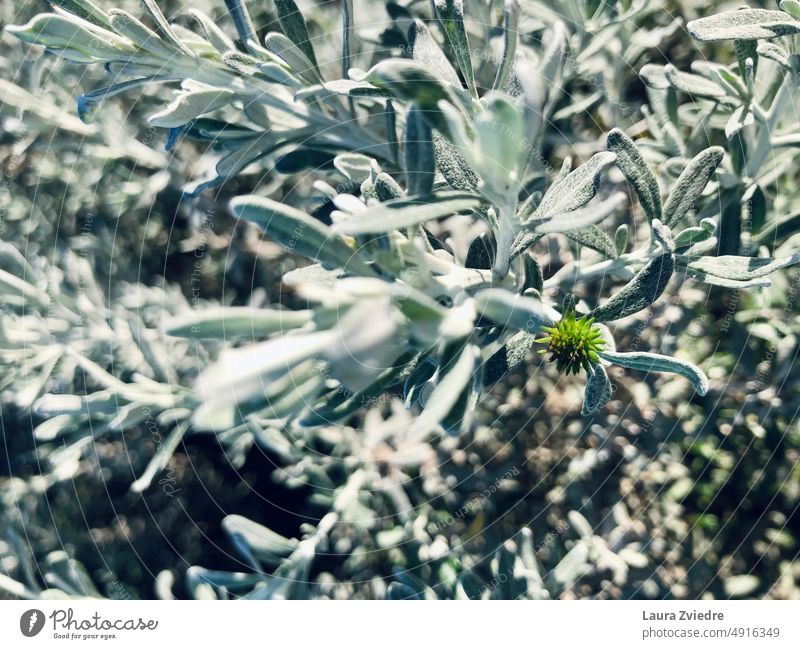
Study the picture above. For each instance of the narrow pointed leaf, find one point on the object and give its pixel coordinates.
(446, 394)
(294, 26)
(406, 213)
(576, 189)
(649, 362)
(454, 168)
(581, 217)
(594, 238)
(511, 354)
(69, 33)
(131, 28)
(294, 56)
(644, 289)
(164, 27)
(510, 41)
(189, 105)
(636, 170)
(83, 9)
(451, 16)
(420, 163)
(737, 268)
(161, 458)
(299, 233)
(228, 323)
(744, 25)
(426, 51)
(241, 18)
(598, 390)
(512, 310)
(348, 34)
(691, 183)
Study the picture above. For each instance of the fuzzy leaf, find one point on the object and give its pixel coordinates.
(512, 310)
(510, 41)
(299, 233)
(581, 217)
(648, 362)
(744, 25)
(451, 16)
(355, 166)
(420, 164)
(774, 52)
(164, 27)
(534, 278)
(261, 541)
(243, 374)
(228, 323)
(739, 119)
(727, 283)
(500, 142)
(214, 35)
(131, 28)
(446, 394)
(644, 289)
(351, 88)
(83, 9)
(406, 213)
(241, 18)
(691, 183)
(598, 390)
(693, 84)
(738, 268)
(621, 238)
(690, 236)
(411, 81)
(426, 51)
(387, 187)
(72, 34)
(454, 168)
(481, 252)
(576, 189)
(294, 26)
(636, 170)
(507, 357)
(189, 105)
(662, 235)
(523, 241)
(594, 238)
(160, 458)
(88, 103)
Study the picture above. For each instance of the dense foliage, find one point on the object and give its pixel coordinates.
(452, 189)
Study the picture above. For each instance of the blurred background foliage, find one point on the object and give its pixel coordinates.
(657, 496)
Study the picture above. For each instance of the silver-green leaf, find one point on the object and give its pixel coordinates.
(744, 25)
(451, 16)
(299, 233)
(649, 362)
(691, 183)
(598, 390)
(576, 189)
(420, 162)
(405, 213)
(513, 310)
(636, 170)
(644, 289)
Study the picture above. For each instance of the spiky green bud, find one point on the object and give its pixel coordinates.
(573, 343)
